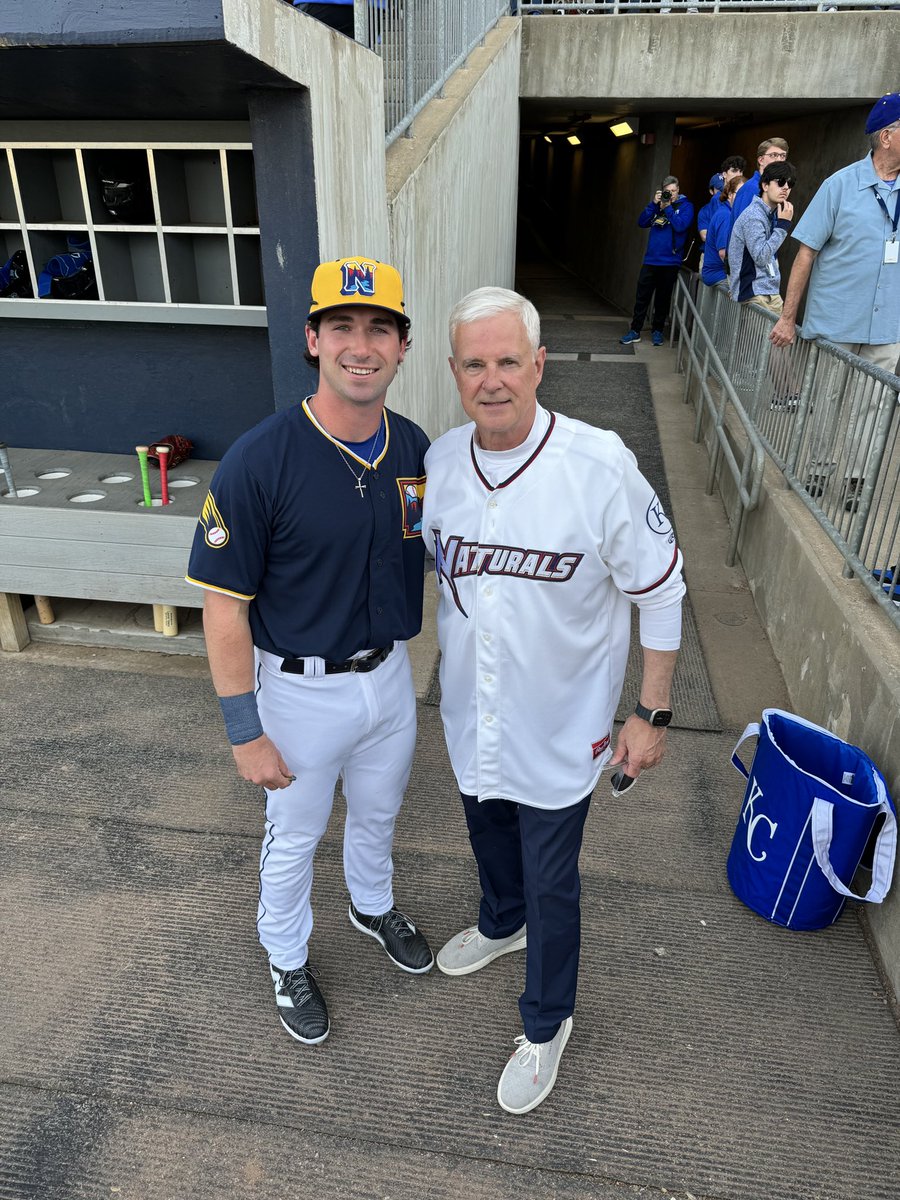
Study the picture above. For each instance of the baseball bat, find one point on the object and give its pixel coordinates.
(163, 452)
(45, 612)
(142, 452)
(7, 471)
(157, 618)
(169, 620)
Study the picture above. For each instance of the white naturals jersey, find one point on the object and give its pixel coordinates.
(536, 578)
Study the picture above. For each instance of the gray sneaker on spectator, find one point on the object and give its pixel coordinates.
(470, 950)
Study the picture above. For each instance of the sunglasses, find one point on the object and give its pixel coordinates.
(783, 181)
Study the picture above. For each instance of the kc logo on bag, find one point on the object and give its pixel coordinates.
(754, 793)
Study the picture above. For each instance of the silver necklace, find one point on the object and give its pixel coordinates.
(373, 453)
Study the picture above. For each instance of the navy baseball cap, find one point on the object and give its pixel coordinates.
(717, 182)
(884, 112)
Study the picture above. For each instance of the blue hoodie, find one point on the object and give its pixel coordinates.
(666, 245)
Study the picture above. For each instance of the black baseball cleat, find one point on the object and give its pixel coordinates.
(402, 942)
(301, 1006)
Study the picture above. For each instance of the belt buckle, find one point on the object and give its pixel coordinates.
(354, 667)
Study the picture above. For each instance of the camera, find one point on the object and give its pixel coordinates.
(667, 195)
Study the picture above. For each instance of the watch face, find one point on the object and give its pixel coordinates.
(661, 716)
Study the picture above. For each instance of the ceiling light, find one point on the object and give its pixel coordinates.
(573, 140)
(548, 138)
(621, 130)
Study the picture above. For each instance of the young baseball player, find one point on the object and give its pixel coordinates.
(310, 549)
(545, 534)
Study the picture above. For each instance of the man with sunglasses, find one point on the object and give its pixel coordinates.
(756, 239)
(849, 254)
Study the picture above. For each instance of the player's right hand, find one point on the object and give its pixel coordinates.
(783, 332)
(260, 762)
(785, 211)
(657, 196)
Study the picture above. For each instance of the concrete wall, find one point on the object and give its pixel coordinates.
(739, 57)
(343, 79)
(452, 200)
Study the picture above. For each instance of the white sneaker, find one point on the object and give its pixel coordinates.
(530, 1074)
(470, 950)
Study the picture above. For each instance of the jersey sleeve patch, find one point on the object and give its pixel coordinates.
(412, 493)
(215, 532)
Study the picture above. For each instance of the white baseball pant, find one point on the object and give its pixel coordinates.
(354, 726)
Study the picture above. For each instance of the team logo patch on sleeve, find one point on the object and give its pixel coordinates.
(412, 493)
(215, 531)
(657, 520)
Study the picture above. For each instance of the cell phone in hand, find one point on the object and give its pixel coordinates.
(620, 782)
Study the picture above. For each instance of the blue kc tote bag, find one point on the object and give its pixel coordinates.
(810, 806)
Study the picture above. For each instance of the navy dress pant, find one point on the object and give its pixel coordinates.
(528, 867)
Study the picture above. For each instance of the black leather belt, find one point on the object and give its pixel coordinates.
(368, 662)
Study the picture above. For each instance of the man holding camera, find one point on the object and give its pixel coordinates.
(668, 217)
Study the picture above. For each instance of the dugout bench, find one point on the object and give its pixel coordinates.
(79, 528)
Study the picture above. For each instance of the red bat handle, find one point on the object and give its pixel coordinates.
(163, 452)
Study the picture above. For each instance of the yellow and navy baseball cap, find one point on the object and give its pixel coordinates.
(357, 280)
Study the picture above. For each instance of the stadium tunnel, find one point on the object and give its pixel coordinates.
(582, 186)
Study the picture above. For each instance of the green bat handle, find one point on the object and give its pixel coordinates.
(145, 474)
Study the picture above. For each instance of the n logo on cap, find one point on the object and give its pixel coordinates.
(358, 278)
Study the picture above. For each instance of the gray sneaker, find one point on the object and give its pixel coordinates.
(530, 1074)
(470, 950)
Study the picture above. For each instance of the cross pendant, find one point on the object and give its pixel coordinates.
(360, 487)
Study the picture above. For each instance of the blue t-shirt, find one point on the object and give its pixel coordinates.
(328, 570)
(713, 269)
(707, 212)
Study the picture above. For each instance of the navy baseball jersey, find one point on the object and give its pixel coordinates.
(330, 568)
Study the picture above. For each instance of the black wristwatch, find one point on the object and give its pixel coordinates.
(655, 716)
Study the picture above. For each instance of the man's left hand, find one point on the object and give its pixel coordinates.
(639, 746)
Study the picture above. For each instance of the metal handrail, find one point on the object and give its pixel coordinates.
(748, 472)
(825, 417)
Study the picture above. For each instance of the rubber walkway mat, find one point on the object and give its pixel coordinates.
(141, 1056)
(585, 337)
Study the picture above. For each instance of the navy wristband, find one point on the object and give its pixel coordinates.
(242, 723)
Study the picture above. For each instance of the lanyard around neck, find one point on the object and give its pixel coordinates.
(884, 207)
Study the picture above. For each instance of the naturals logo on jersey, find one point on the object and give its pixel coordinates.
(455, 559)
(215, 531)
(412, 493)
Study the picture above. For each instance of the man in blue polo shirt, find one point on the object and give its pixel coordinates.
(310, 549)
(848, 254)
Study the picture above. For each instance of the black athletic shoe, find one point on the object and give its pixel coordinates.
(301, 1006)
(403, 943)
